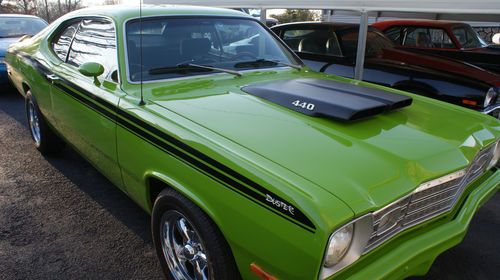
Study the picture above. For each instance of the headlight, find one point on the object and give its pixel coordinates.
(339, 243)
(496, 155)
(490, 96)
(346, 245)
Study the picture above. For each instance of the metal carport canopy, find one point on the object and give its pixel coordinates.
(471, 10)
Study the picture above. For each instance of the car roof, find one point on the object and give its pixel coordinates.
(121, 13)
(336, 25)
(418, 22)
(17, 16)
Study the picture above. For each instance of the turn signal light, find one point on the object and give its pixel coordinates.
(257, 270)
(469, 102)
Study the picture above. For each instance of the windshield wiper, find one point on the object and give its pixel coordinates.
(262, 61)
(187, 66)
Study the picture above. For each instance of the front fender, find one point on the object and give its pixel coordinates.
(255, 233)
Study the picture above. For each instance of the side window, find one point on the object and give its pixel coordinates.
(461, 35)
(394, 34)
(424, 37)
(62, 42)
(440, 38)
(95, 41)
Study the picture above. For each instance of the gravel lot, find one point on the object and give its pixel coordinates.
(60, 219)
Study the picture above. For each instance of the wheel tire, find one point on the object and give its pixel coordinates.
(170, 206)
(46, 141)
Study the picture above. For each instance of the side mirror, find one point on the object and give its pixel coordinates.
(92, 69)
(496, 39)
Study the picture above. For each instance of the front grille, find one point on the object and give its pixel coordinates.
(427, 201)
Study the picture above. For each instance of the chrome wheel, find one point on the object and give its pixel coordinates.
(183, 248)
(34, 123)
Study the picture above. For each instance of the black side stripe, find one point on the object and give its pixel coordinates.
(227, 181)
(88, 103)
(209, 166)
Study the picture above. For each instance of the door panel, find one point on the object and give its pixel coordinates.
(84, 109)
(85, 117)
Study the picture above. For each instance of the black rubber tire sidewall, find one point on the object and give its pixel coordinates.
(219, 254)
(49, 141)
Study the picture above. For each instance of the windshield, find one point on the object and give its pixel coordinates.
(169, 44)
(468, 38)
(376, 42)
(19, 26)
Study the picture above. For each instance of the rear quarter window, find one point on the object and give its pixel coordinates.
(62, 41)
(95, 41)
(394, 34)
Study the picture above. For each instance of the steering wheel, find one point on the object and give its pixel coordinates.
(243, 55)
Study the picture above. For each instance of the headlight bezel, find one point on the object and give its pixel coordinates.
(362, 230)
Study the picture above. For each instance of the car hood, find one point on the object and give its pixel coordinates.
(366, 163)
(5, 43)
(441, 64)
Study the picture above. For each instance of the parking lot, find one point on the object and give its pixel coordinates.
(60, 219)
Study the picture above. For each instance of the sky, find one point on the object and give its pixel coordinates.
(94, 2)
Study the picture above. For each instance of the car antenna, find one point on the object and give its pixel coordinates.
(141, 103)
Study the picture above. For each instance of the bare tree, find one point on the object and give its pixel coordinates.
(46, 8)
(111, 2)
(51, 10)
(19, 6)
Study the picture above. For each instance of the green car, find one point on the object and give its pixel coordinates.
(252, 165)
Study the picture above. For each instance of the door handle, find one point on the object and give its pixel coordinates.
(52, 77)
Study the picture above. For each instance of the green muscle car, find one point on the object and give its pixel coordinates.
(252, 165)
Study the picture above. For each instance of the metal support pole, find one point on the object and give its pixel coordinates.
(263, 16)
(360, 55)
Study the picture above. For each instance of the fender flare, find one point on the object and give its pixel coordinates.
(179, 187)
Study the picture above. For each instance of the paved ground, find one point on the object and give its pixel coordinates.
(60, 219)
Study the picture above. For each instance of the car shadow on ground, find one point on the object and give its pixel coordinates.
(83, 175)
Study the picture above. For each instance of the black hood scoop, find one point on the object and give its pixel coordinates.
(327, 98)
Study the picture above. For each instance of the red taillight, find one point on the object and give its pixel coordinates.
(257, 270)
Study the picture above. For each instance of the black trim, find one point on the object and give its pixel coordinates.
(329, 98)
(182, 151)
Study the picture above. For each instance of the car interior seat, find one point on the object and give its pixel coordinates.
(424, 40)
(195, 49)
(312, 45)
(333, 47)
